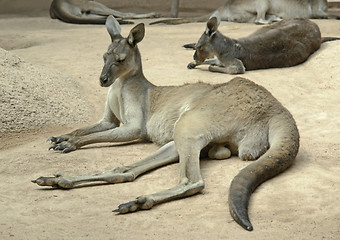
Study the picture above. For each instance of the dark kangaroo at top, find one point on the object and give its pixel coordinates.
(283, 44)
(89, 12)
(238, 117)
(262, 11)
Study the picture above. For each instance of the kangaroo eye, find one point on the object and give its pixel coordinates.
(120, 60)
(198, 47)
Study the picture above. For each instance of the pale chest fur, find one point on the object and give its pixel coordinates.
(115, 101)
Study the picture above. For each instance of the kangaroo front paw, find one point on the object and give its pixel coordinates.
(65, 146)
(59, 139)
(143, 202)
(191, 65)
(56, 181)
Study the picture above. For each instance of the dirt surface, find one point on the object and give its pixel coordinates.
(49, 70)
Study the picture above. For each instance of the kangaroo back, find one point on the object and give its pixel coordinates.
(81, 12)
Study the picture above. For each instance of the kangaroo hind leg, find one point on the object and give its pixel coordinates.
(165, 155)
(189, 145)
(254, 144)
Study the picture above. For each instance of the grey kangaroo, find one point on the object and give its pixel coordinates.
(262, 11)
(283, 44)
(238, 117)
(89, 12)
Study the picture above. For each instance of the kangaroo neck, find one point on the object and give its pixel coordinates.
(126, 92)
(133, 80)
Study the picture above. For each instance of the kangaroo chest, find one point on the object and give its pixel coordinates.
(115, 101)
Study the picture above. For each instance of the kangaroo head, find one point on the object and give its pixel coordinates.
(204, 47)
(122, 57)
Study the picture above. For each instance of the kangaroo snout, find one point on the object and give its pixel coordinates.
(105, 76)
(104, 80)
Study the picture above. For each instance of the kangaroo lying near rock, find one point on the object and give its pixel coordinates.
(283, 44)
(238, 117)
(89, 12)
(262, 11)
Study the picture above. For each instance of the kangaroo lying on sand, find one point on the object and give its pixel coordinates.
(283, 44)
(238, 117)
(88, 12)
(262, 11)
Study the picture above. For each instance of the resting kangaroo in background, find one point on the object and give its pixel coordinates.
(238, 117)
(88, 12)
(283, 44)
(262, 11)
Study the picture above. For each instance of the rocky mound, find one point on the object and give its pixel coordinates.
(33, 96)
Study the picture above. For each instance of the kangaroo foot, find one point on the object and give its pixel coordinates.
(143, 202)
(56, 181)
(117, 175)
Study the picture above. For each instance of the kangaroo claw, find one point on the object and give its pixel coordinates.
(66, 150)
(51, 139)
(52, 147)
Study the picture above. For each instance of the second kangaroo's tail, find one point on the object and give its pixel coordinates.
(327, 39)
(284, 145)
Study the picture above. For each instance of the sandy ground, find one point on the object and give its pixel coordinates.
(49, 84)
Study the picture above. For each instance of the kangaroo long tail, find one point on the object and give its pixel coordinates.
(284, 145)
(90, 20)
(327, 39)
(176, 21)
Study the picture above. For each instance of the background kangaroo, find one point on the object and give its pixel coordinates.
(88, 12)
(283, 44)
(262, 11)
(238, 117)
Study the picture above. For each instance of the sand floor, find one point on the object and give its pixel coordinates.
(49, 85)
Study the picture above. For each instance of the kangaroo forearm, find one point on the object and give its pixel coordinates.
(98, 127)
(120, 134)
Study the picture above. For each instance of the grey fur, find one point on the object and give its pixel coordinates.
(262, 11)
(283, 44)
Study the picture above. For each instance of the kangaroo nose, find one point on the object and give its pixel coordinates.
(104, 80)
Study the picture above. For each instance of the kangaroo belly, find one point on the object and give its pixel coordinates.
(167, 105)
(160, 129)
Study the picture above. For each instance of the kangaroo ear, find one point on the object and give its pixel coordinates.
(136, 34)
(113, 27)
(212, 25)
